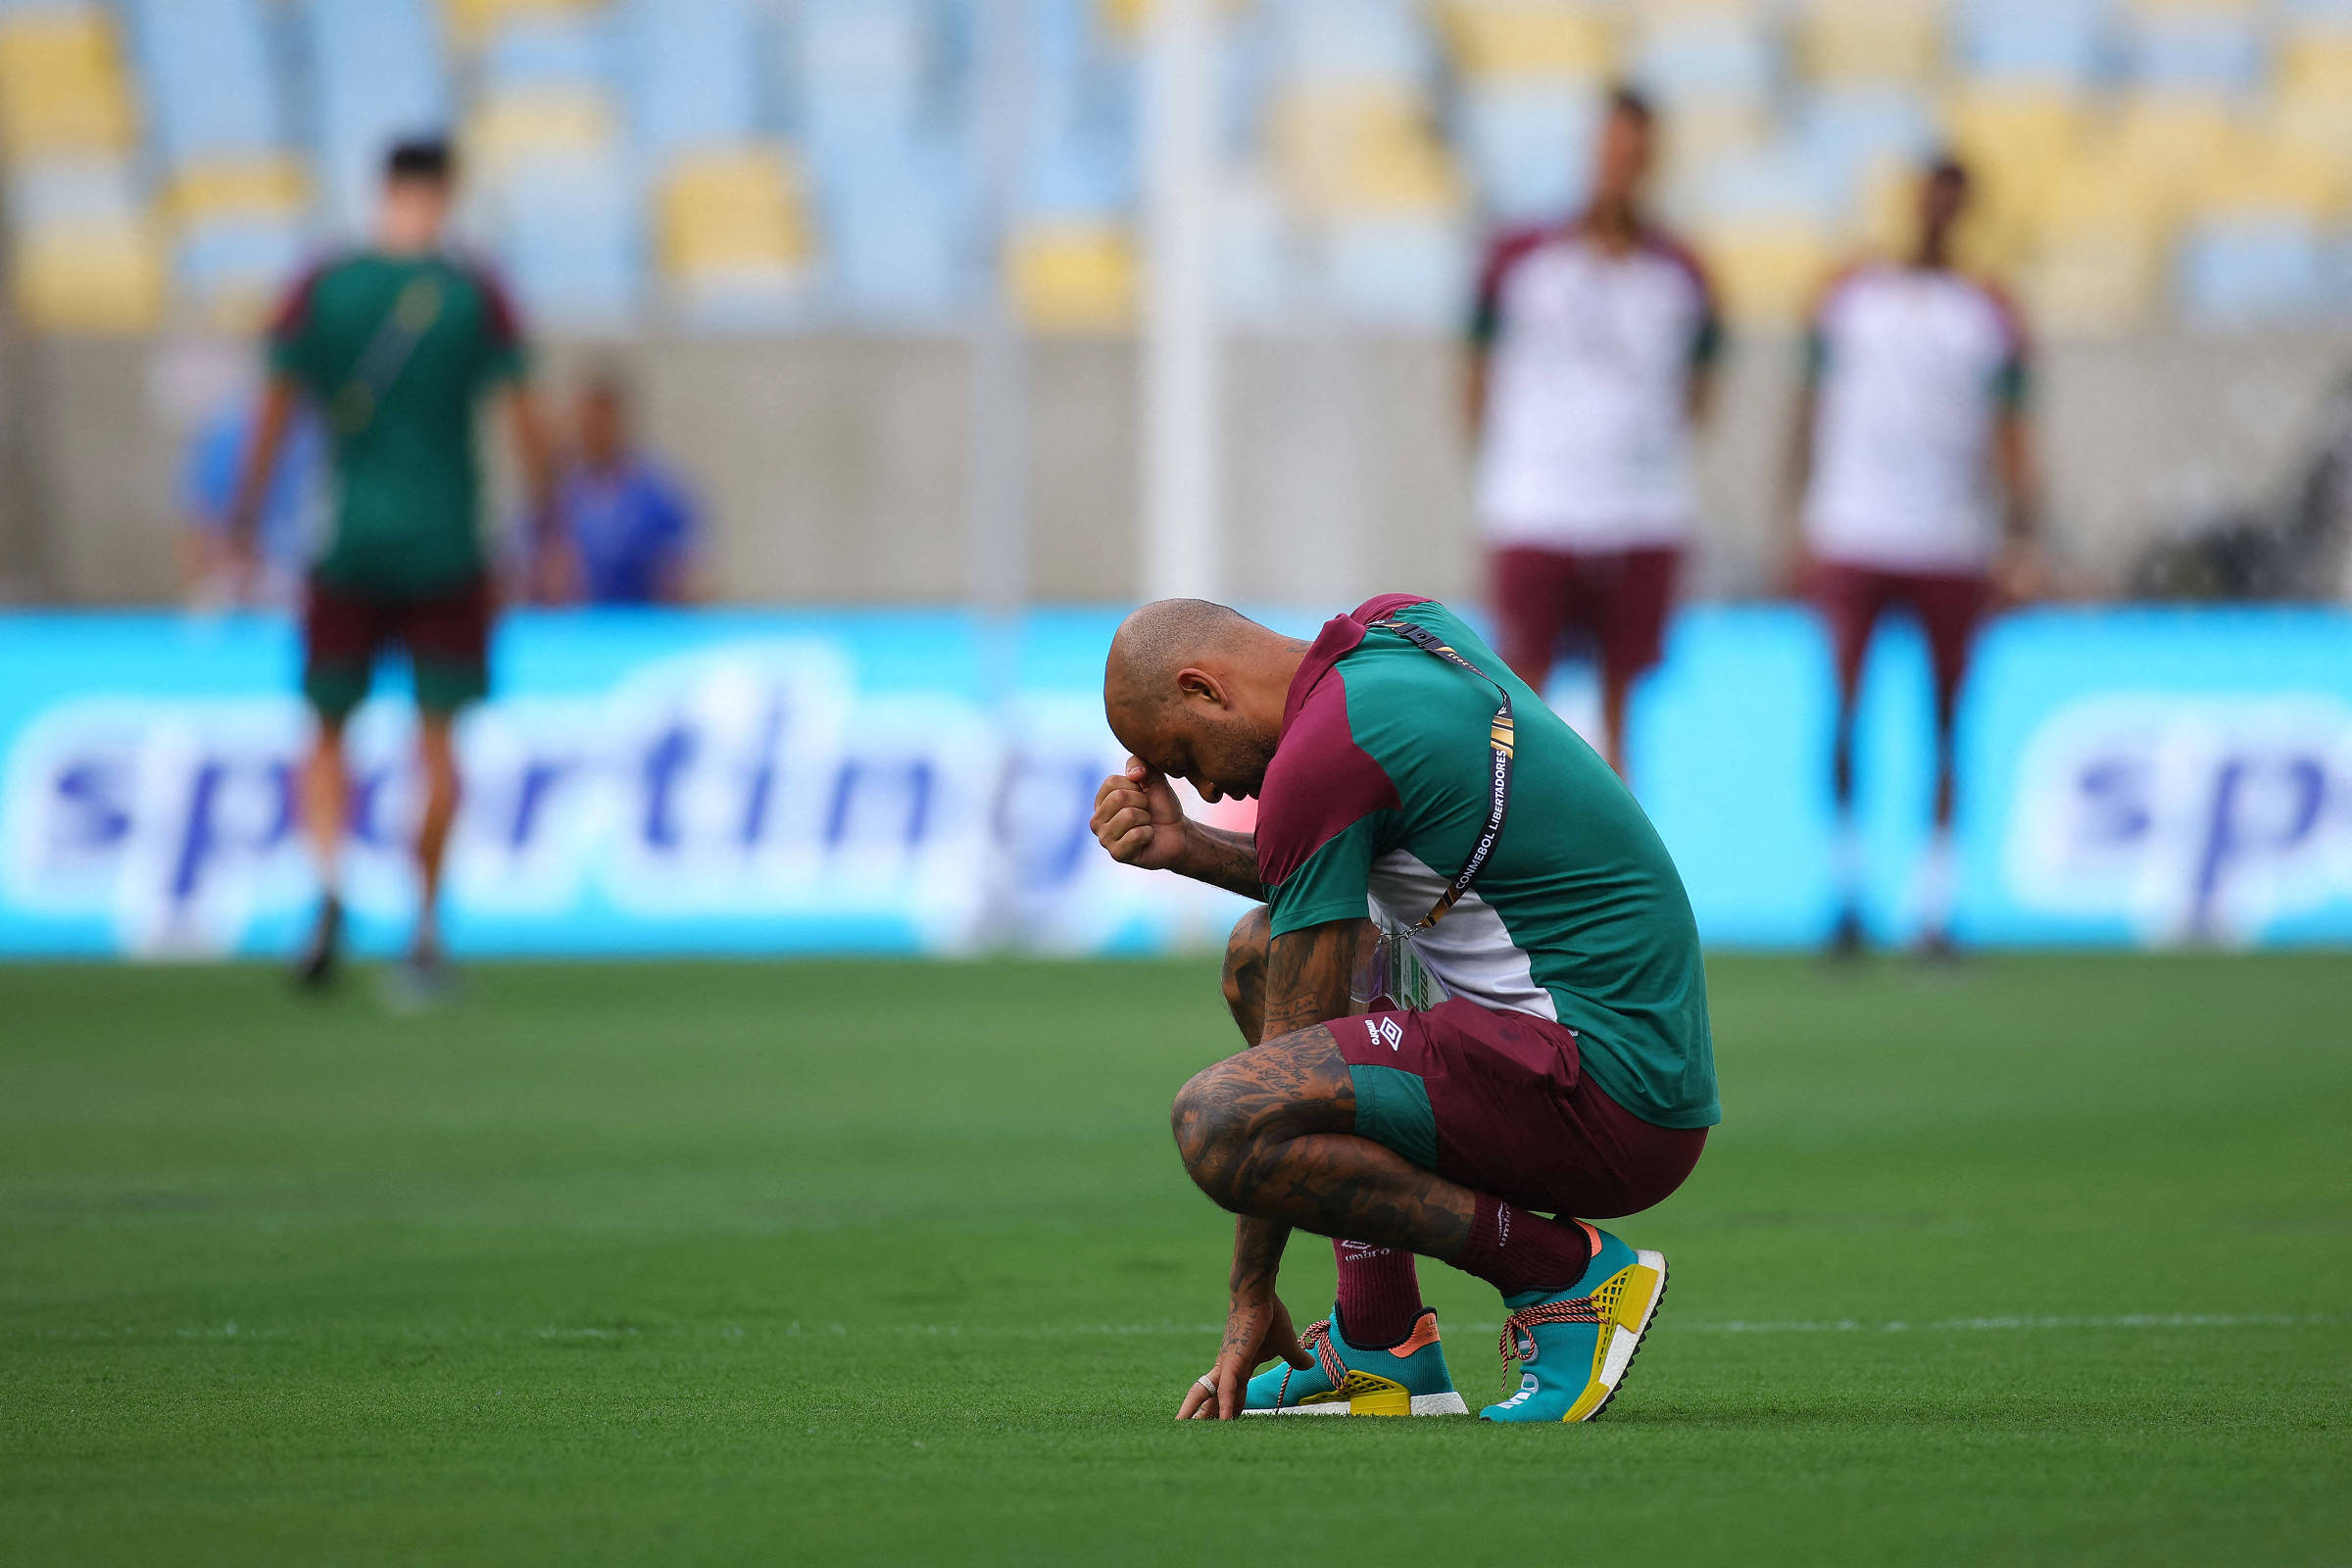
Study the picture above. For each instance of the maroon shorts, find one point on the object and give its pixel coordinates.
(1499, 1103)
(1618, 598)
(1950, 605)
(447, 637)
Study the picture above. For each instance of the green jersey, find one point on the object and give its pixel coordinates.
(1379, 788)
(397, 350)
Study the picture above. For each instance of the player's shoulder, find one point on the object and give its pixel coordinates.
(1669, 247)
(2000, 306)
(1509, 247)
(1322, 781)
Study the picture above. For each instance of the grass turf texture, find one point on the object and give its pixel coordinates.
(875, 1261)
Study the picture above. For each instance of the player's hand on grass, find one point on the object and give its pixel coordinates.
(1138, 818)
(1257, 1329)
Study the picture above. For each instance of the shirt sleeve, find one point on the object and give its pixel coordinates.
(291, 347)
(1334, 883)
(503, 356)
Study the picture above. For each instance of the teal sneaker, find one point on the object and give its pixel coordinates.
(1574, 1346)
(1410, 1380)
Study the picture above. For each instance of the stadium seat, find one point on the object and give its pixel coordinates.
(860, 69)
(378, 76)
(238, 234)
(1072, 275)
(1352, 45)
(2063, 44)
(2015, 141)
(1716, 54)
(210, 90)
(469, 24)
(571, 238)
(734, 236)
(1870, 43)
(2194, 45)
(1529, 145)
(1402, 270)
(1852, 133)
(63, 89)
(2098, 249)
(2179, 144)
(1496, 42)
(532, 50)
(1767, 270)
(86, 253)
(2251, 271)
(694, 68)
(1368, 148)
(511, 132)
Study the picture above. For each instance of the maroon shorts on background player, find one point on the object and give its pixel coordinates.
(1950, 606)
(1620, 598)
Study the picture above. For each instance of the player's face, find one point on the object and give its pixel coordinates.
(1942, 200)
(1214, 751)
(1621, 162)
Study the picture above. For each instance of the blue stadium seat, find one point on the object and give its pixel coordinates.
(1847, 133)
(554, 51)
(2217, 51)
(1718, 56)
(378, 77)
(1529, 146)
(695, 66)
(210, 88)
(863, 70)
(1407, 270)
(1350, 43)
(253, 258)
(899, 232)
(2044, 42)
(573, 244)
(2251, 271)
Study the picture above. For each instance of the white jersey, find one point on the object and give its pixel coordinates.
(1586, 443)
(1912, 369)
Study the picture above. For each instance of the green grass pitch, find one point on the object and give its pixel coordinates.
(2042, 1260)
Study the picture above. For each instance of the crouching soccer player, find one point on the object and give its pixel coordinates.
(1417, 801)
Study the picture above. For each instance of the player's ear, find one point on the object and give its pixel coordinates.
(1199, 685)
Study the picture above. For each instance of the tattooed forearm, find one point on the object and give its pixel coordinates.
(1223, 858)
(1308, 975)
(1257, 1246)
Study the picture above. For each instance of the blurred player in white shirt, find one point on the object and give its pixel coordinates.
(1591, 354)
(1917, 475)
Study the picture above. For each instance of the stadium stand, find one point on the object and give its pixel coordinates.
(731, 164)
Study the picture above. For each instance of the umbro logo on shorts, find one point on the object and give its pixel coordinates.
(1385, 1032)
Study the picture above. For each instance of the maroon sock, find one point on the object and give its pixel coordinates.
(1380, 1295)
(1515, 1250)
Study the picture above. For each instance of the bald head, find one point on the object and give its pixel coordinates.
(1196, 690)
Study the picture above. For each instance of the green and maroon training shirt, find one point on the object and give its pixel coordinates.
(397, 350)
(1378, 791)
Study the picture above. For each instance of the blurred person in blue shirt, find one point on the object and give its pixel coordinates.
(289, 513)
(630, 525)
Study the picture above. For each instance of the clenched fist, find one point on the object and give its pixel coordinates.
(1138, 819)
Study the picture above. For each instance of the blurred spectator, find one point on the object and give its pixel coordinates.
(1916, 471)
(215, 457)
(1591, 357)
(630, 525)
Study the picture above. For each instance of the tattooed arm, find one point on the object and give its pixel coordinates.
(1307, 979)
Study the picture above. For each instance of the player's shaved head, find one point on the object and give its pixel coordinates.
(1196, 689)
(1158, 641)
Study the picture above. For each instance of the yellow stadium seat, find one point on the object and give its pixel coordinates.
(2315, 62)
(517, 128)
(1519, 38)
(1073, 276)
(1842, 42)
(470, 22)
(1696, 135)
(735, 214)
(2098, 252)
(102, 278)
(62, 85)
(2015, 143)
(244, 187)
(1361, 150)
(2271, 177)
(1769, 271)
(2179, 145)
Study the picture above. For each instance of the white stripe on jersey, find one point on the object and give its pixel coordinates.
(1469, 951)
(1912, 366)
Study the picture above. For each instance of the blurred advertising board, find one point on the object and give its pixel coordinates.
(778, 782)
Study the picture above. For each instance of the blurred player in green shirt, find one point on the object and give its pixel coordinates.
(396, 346)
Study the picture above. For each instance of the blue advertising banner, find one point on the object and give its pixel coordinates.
(919, 782)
